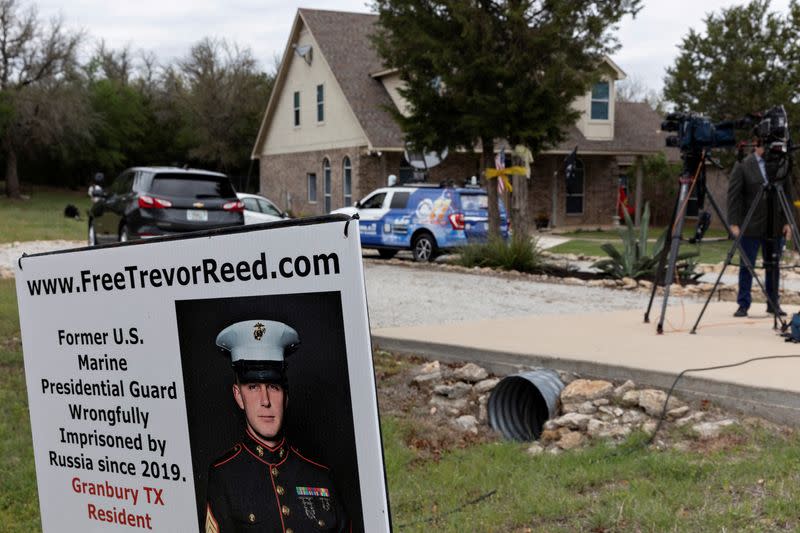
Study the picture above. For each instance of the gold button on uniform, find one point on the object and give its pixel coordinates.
(289, 530)
(252, 517)
(321, 523)
(279, 490)
(284, 510)
(274, 472)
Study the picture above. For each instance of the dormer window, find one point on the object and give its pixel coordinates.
(600, 94)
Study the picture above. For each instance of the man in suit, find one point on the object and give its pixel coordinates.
(263, 484)
(747, 178)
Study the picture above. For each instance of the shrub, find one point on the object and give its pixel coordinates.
(518, 253)
(634, 261)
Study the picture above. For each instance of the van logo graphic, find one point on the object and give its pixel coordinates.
(198, 205)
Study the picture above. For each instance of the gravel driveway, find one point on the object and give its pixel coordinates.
(400, 295)
(404, 296)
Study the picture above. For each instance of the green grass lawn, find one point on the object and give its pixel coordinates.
(19, 505)
(710, 251)
(751, 484)
(713, 249)
(41, 217)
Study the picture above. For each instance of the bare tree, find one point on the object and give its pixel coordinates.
(110, 64)
(634, 89)
(37, 62)
(222, 94)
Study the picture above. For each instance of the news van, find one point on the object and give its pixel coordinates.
(427, 219)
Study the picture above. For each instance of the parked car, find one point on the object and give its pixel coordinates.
(258, 209)
(426, 219)
(151, 201)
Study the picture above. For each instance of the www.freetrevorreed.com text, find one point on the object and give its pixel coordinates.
(208, 271)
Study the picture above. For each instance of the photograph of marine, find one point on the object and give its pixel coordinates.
(263, 483)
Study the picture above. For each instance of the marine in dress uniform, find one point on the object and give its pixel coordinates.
(263, 484)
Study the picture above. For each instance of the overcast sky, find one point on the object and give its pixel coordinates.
(170, 28)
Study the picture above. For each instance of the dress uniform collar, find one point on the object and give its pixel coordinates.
(262, 451)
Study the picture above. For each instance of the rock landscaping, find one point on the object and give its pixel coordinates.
(450, 402)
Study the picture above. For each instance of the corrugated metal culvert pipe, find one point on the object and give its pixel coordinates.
(520, 404)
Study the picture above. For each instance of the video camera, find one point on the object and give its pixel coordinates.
(773, 129)
(695, 132)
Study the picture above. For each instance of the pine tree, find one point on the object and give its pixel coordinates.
(481, 70)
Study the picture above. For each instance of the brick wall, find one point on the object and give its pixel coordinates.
(284, 181)
(600, 180)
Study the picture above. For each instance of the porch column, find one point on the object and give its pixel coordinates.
(639, 185)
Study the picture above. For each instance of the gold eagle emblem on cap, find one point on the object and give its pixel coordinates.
(258, 331)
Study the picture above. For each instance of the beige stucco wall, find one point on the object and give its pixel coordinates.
(340, 128)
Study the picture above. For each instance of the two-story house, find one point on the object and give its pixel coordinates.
(327, 139)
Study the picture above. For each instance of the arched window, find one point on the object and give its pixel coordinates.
(575, 188)
(347, 182)
(326, 180)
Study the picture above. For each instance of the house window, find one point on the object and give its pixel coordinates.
(320, 103)
(575, 191)
(600, 92)
(326, 181)
(347, 182)
(312, 188)
(297, 108)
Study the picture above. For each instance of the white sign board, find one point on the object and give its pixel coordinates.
(131, 400)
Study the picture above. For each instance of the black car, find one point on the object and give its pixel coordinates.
(151, 201)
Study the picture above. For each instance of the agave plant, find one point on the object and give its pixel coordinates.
(635, 260)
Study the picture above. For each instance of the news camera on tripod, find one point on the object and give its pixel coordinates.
(696, 136)
(761, 185)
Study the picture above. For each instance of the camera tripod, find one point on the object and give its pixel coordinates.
(669, 260)
(773, 188)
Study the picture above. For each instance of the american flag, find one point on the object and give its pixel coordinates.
(500, 164)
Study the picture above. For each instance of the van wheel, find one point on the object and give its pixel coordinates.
(387, 254)
(424, 247)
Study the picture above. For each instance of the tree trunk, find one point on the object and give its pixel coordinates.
(487, 157)
(520, 220)
(12, 179)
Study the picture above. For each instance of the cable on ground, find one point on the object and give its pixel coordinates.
(451, 511)
(663, 415)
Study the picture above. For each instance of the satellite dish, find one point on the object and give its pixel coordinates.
(424, 160)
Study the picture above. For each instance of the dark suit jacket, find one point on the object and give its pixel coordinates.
(745, 182)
